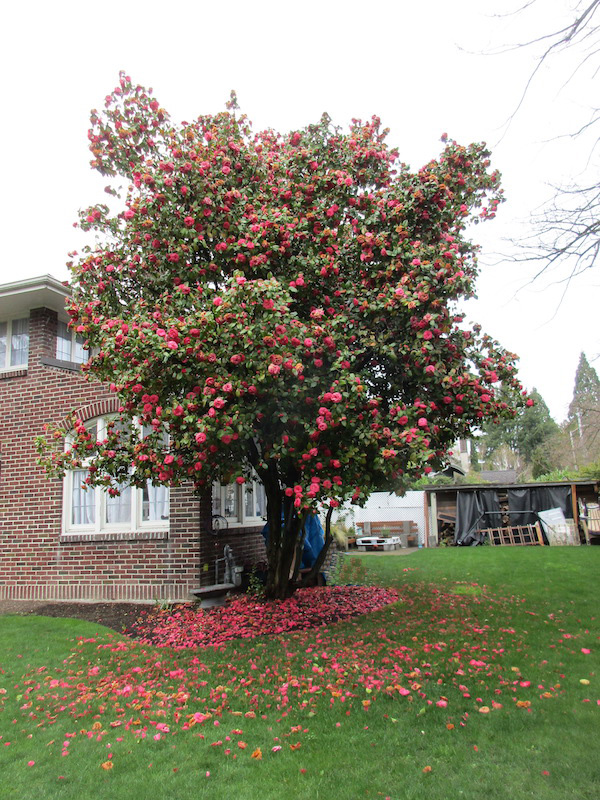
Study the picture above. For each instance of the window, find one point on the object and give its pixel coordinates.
(94, 510)
(244, 504)
(14, 343)
(69, 345)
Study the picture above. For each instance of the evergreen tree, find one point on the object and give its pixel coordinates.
(586, 392)
(583, 422)
(522, 442)
(534, 427)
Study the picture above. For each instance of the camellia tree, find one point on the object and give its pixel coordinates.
(284, 306)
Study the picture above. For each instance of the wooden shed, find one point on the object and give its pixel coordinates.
(455, 514)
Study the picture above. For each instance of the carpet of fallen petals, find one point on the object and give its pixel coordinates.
(247, 677)
(244, 617)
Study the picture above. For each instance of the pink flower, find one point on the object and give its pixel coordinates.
(217, 301)
(274, 369)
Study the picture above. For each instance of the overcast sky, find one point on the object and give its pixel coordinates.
(423, 68)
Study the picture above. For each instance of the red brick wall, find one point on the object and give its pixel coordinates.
(36, 562)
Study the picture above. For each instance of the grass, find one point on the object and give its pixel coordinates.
(478, 673)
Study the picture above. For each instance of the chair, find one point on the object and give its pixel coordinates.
(591, 524)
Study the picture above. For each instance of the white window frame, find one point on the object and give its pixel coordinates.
(136, 523)
(75, 340)
(9, 325)
(240, 519)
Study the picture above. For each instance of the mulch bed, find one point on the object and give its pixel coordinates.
(118, 616)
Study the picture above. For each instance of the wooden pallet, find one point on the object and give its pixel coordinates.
(515, 535)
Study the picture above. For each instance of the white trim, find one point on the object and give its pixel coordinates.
(19, 297)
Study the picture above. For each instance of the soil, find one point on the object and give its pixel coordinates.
(118, 616)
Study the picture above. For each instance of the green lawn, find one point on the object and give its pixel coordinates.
(479, 672)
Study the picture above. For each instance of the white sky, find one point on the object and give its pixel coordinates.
(420, 67)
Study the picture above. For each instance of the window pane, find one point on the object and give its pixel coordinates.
(231, 501)
(118, 509)
(80, 354)
(148, 429)
(63, 342)
(19, 342)
(155, 503)
(92, 428)
(216, 498)
(260, 500)
(83, 501)
(249, 506)
(2, 344)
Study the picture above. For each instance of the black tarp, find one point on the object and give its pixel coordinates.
(491, 508)
(474, 510)
(524, 503)
(520, 507)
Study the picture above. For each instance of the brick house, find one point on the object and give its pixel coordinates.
(58, 542)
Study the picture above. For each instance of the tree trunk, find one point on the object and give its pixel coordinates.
(285, 532)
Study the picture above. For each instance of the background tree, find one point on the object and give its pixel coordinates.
(524, 443)
(583, 421)
(285, 305)
(566, 230)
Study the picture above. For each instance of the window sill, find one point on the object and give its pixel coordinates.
(70, 366)
(6, 373)
(248, 526)
(112, 536)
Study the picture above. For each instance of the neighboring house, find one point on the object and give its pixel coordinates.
(58, 542)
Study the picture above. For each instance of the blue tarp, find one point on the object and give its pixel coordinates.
(313, 541)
